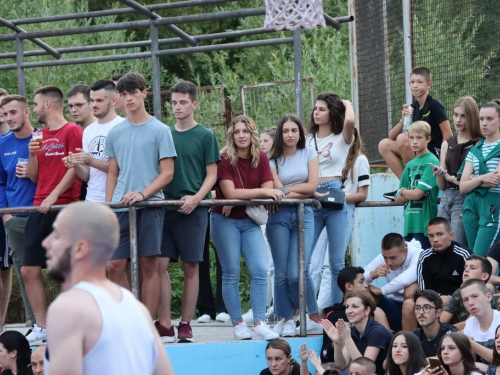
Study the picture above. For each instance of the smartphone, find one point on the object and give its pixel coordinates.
(434, 362)
(433, 165)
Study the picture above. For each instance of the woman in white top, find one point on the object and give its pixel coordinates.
(295, 171)
(331, 133)
(456, 356)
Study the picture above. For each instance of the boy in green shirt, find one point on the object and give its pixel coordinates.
(418, 188)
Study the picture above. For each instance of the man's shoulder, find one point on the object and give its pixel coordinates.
(6, 138)
(446, 327)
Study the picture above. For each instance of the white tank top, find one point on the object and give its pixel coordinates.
(126, 344)
(332, 153)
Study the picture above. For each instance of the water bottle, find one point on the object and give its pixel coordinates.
(408, 119)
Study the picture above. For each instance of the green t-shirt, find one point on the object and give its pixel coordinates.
(418, 174)
(196, 148)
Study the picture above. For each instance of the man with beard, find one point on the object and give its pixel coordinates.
(428, 308)
(55, 185)
(94, 317)
(16, 189)
(90, 164)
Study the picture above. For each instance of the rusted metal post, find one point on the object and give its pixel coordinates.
(134, 261)
(302, 269)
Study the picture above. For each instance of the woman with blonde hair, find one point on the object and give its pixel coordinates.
(243, 173)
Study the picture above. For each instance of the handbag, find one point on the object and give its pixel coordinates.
(256, 213)
(335, 198)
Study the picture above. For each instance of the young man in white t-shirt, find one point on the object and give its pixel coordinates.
(482, 325)
(90, 164)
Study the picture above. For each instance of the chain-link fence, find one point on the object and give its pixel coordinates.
(457, 40)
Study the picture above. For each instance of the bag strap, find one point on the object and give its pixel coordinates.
(239, 174)
(316, 147)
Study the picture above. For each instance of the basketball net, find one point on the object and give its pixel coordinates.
(291, 14)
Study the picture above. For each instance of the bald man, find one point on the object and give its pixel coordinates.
(37, 360)
(93, 312)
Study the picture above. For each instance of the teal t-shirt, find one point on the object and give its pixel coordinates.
(196, 148)
(417, 174)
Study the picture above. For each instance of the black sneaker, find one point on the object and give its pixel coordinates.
(391, 195)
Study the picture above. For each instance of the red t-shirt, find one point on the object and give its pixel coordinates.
(51, 170)
(252, 178)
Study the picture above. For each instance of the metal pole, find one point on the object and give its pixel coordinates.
(302, 269)
(134, 270)
(155, 65)
(174, 29)
(297, 71)
(387, 75)
(353, 50)
(407, 48)
(21, 79)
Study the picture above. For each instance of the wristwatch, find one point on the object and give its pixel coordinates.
(284, 190)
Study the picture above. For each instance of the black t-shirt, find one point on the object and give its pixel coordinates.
(494, 252)
(433, 113)
(295, 370)
(332, 313)
(430, 347)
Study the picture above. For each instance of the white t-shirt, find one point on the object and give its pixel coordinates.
(94, 141)
(487, 338)
(400, 278)
(361, 172)
(332, 152)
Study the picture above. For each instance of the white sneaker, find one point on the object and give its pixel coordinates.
(313, 328)
(205, 318)
(270, 315)
(37, 336)
(223, 317)
(241, 332)
(278, 328)
(263, 332)
(289, 329)
(248, 316)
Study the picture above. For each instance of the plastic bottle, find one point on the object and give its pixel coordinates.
(408, 119)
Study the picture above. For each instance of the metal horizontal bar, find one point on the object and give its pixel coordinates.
(117, 12)
(332, 22)
(144, 43)
(133, 25)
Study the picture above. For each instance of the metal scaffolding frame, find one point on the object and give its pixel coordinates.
(152, 22)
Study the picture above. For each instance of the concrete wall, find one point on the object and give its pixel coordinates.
(230, 358)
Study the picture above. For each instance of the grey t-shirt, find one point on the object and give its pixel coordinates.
(138, 149)
(294, 170)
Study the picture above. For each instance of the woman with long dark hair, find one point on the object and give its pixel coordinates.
(330, 134)
(406, 356)
(15, 353)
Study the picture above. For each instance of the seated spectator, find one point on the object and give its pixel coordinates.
(494, 258)
(362, 366)
(440, 268)
(279, 359)
(349, 279)
(323, 368)
(366, 337)
(37, 360)
(476, 267)
(14, 353)
(456, 356)
(398, 264)
(495, 363)
(406, 356)
(428, 309)
(481, 326)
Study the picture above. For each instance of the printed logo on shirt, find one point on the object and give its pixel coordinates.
(10, 153)
(426, 115)
(96, 148)
(51, 147)
(455, 273)
(325, 152)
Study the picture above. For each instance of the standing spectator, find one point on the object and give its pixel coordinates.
(16, 189)
(90, 163)
(185, 227)
(295, 171)
(79, 105)
(453, 152)
(141, 163)
(481, 182)
(55, 185)
(331, 132)
(243, 173)
(119, 103)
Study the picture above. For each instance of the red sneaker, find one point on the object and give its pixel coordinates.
(167, 335)
(184, 332)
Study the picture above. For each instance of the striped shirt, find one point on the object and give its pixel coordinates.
(490, 164)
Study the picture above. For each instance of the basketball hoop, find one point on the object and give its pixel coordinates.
(292, 14)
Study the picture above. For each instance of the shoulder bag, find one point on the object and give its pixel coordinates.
(256, 213)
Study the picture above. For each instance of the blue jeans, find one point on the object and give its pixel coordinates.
(231, 238)
(282, 234)
(335, 222)
(451, 209)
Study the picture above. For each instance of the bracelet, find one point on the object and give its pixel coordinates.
(143, 197)
(453, 178)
